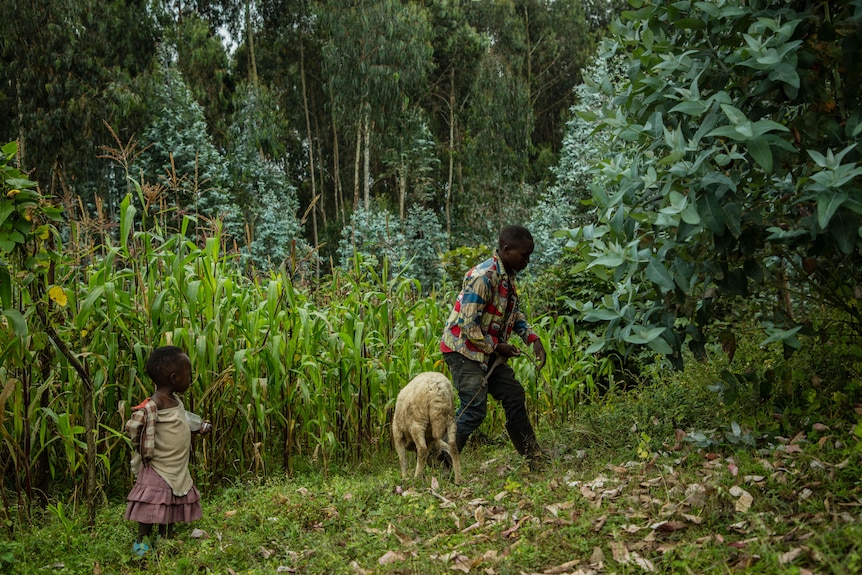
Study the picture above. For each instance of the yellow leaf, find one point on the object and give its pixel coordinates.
(57, 294)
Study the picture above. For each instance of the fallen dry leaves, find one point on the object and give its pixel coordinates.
(638, 511)
(657, 506)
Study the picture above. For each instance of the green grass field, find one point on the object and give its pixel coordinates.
(621, 494)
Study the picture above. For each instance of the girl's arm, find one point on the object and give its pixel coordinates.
(141, 429)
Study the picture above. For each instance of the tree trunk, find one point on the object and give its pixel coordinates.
(402, 189)
(337, 192)
(356, 164)
(20, 157)
(366, 182)
(87, 398)
(451, 157)
(310, 138)
(252, 64)
(320, 175)
(529, 68)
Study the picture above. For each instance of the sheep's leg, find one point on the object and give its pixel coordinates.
(421, 453)
(401, 449)
(453, 451)
(438, 429)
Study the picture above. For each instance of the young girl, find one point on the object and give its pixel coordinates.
(161, 438)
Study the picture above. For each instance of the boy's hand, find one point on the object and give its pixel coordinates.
(206, 427)
(539, 351)
(507, 350)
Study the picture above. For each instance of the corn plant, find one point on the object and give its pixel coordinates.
(282, 372)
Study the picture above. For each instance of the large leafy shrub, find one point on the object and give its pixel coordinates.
(178, 150)
(263, 220)
(413, 246)
(731, 173)
(562, 206)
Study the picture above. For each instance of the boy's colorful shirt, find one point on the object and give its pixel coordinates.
(141, 428)
(485, 314)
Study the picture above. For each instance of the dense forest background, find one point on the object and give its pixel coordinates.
(292, 120)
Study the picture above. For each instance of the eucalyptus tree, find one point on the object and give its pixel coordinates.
(376, 57)
(520, 89)
(458, 49)
(732, 169)
(289, 61)
(410, 247)
(69, 66)
(203, 61)
(179, 154)
(566, 203)
(557, 45)
(545, 43)
(264, 219)
(497, 126)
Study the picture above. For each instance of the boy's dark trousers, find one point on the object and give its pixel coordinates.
(468, 377)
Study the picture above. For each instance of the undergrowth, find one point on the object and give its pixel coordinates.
(665, 478)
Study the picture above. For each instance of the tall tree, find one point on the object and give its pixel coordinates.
(69, 66)
(375, 62)
(458, 49)
(204, 64)
(179, 153)
(269, 227)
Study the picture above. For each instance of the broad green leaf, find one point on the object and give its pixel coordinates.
(5, 287)
(843, 229)
(727, 132)
(827, 202)
(659, 345)
(733, 218)
(690, 215)
(785, 73)
(776, 334)
(20, 183)
(6, 208)
(690, 108)
(641, 335)
(709, 8)
(19, 324)
(657, 273)
(734, 114)
(609, 260)
(711, 213)
(818, 158)
(762, 127)
(595, 347)
(601, 314)
(761, 153)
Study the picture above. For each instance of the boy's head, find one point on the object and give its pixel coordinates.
(515, 246)
(169, 366)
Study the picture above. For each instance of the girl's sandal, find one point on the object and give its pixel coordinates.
(140, 549)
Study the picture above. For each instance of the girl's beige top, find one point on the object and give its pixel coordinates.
(171, 454)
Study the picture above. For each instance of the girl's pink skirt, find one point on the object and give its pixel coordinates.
(152, 501)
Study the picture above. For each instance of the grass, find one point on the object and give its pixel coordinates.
(624, 492)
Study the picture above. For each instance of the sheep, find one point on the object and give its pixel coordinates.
(425, 413)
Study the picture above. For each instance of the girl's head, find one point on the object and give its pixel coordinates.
(170, 369)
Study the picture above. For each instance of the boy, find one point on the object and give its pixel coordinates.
(475, 343)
